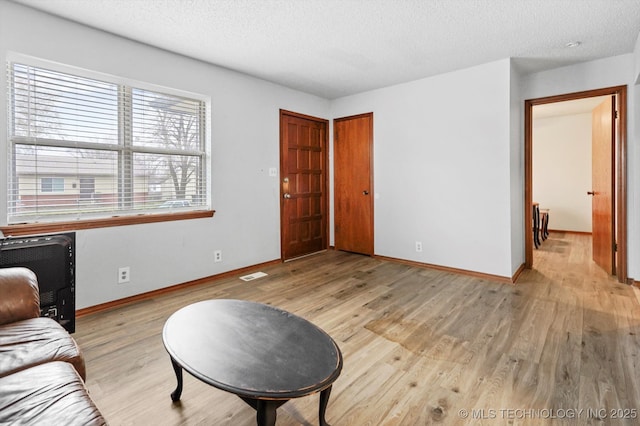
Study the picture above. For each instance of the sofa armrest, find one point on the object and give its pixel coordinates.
(19, 295)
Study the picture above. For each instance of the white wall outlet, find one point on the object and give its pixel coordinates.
(217, 256)
(418, 246)
(273, 172)
(124, 274)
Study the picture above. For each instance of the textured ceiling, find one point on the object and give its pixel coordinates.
(334, 48)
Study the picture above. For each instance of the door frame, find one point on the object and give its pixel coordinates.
(620, 171)
(325, 162)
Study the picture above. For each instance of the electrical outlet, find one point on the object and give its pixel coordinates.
(217, 256)
(124, 274)
(418, 246)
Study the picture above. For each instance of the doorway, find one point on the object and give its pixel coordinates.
(617, 155)
(303, 185)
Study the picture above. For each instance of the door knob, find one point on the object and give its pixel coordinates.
(365, 192)
(591, 193)
(287, 195)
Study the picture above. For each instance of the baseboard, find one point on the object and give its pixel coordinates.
(150, 294)
(170, 289)
(520, 270)
(481, 275)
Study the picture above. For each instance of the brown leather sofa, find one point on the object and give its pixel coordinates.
(42, 370)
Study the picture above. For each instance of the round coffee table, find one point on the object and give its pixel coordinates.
(264, 355)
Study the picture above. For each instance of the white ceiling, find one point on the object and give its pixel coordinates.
(334, 48)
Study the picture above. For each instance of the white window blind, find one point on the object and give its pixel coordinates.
(84, 148)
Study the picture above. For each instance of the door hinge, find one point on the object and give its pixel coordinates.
(615, 246)
(615, 114)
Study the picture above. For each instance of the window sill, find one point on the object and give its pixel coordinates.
(54, 227)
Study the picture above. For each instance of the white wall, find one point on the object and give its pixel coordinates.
(608, 72)
(633, 179)
(516, 164)
(636, 52)
(562, 170)
(245, 135)
(442, 168)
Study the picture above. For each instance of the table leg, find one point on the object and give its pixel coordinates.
(175, 395)
(267, 412)
(546, 226)
(324, 401)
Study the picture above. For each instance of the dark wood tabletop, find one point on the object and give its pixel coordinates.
(256, 351)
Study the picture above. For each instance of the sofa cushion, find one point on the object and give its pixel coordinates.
(47, 394)
(34, 341)
(20, 295)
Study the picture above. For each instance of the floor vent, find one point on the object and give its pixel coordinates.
(253, 276)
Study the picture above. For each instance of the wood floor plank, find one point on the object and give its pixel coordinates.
(420, 346)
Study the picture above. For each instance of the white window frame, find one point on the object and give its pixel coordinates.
(125, 145)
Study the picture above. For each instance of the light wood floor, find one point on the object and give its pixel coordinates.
(419, 345)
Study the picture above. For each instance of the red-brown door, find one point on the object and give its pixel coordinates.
(603, 202)
(303, 184)
(353, 183)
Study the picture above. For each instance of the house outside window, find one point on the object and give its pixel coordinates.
(113, 141)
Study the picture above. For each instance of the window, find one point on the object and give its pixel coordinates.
(122, 149)
(87, 187)
(52, 185)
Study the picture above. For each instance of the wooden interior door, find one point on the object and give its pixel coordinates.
(303, 184)
(603, 192)
(353, 183)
